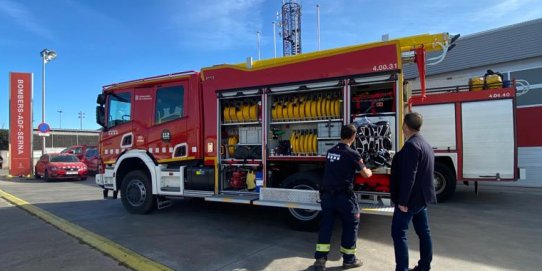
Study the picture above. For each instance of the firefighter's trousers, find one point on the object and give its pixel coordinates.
(344, 206)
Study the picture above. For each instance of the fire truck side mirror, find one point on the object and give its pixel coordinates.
(100, 99)
(100, 115)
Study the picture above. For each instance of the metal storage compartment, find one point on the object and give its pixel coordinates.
(325, 145)
(199, 178)
(329, 129)
(438, 125)
(488, 146)
(250, 135)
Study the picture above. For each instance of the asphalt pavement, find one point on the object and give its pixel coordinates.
(29, 243)
(499, 229)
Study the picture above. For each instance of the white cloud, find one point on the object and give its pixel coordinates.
(213, 25)
(23, 17)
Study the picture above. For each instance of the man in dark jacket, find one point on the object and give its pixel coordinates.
(412, 189)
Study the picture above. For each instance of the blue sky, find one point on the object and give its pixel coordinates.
(101, 42)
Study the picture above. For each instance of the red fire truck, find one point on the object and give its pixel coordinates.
(473, 134)
(257, 132)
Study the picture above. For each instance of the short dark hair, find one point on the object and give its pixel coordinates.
(348, 131)
(414, 121)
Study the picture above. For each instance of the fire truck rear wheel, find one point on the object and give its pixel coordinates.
(444, 180)
(136, 192)
(303, 219)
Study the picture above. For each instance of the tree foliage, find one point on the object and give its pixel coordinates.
(4, 139)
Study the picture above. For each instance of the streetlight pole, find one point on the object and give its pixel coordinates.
(275, 39)
(47, 55)
(258, 37)
(60, 124)
(318, 26)
(81, 117)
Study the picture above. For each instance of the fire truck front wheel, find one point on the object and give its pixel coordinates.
(136, 192)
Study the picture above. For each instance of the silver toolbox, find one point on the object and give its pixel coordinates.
(329, 129)
(325, 145)
(250, 135)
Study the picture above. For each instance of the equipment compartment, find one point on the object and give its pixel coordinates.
(298, 120)
(321, 105)
(200, 178)
(241, 178)
(241, 110)
(241, 127)
(373, 114)
(373, 99)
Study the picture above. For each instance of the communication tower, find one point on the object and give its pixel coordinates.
(291, 27)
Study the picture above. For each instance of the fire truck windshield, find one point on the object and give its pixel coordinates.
(119, 109)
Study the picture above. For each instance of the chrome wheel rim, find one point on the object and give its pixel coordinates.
(136, 193)
(303, 214)
(439, 181)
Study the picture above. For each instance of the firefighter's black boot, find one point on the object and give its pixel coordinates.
(319, 265)
(353, 264)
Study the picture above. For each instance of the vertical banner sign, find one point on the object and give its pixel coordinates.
(20, 123)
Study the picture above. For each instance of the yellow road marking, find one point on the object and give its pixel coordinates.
(121, 254)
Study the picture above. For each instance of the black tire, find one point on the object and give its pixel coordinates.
(136, 191)
(83, 179)
(445, 182)
(36, 175)
(46, 176)
(302, 219)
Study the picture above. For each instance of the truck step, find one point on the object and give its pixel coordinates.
(197, 193)
(171, 189)
(276, 203)
(162, 203)
(364, 208)
(244, 198)
(376, 209)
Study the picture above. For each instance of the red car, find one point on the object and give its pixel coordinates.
(78, 150)
(90, 158)
(60, 166)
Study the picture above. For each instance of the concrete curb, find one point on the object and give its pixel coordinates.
(123, 255)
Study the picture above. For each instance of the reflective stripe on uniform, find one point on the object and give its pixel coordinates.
(348, 251)
(323, 247)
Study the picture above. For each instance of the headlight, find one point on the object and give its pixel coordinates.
(54, 168)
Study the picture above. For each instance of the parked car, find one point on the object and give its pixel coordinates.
(78, 150)
(60, 166)
(91, 158)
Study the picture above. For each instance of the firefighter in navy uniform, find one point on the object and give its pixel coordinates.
(338, 200)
